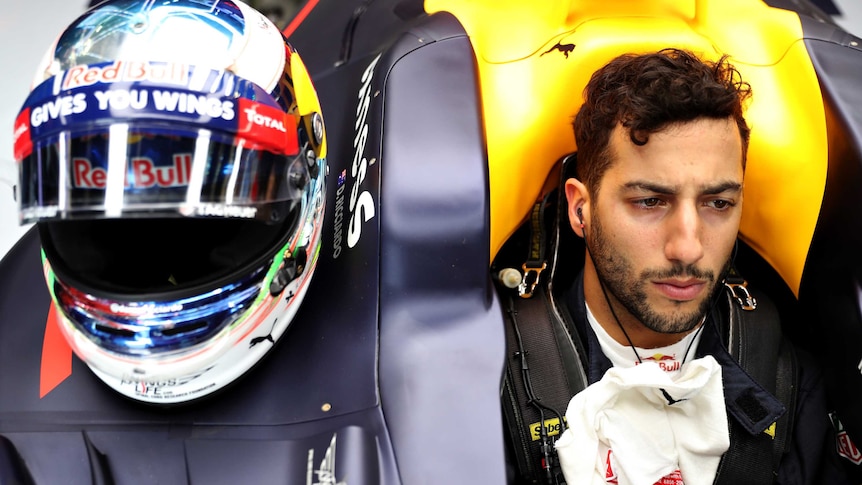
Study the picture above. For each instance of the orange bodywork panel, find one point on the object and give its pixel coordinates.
(535, 58)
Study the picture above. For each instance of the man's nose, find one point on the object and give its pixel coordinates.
(684, 243)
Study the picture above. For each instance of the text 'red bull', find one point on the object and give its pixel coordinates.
(144, 174)
(126, 71)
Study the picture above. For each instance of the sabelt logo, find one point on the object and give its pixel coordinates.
(144, 173)
(126, 71)
(552, 426)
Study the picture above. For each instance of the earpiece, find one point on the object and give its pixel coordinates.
(581, 217)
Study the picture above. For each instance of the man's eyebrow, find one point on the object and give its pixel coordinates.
(645, 186)
(729, 186)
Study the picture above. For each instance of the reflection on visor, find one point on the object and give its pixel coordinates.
(142, 171)
(151, 328)
(127, 29)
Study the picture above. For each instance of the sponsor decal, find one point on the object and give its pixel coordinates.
(144, 173)
(325, 473)
(361, 203)
(219, 210)
(145, 309)
(57, 108)
(170, 102)
(154, 388)
(252, 117)
(847, 448)
(260, 124)
(265, 338)
(269, 126)
(88, 104)
(610, 474)
(154, 392)
(844, 445)
(126, 71)
(667, 363)
(552, 427)
(39, 212)
(21, 140)
(565, 49)
(673, 478)
(339, 215)
(770, 431)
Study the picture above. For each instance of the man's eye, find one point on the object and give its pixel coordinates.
(649, 202)
(721, 204)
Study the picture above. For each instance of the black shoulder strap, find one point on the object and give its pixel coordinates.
(543, 372)
(755, 340)
(543, 363)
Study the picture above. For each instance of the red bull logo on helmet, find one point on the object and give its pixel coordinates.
(144, 174)
(126, 71)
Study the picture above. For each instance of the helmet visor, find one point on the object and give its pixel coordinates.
(134, 170)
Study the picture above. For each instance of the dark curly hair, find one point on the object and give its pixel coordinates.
(648, 92)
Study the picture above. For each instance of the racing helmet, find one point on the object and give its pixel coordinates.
(173, 156)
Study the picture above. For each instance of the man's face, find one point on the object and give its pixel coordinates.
(663, 224)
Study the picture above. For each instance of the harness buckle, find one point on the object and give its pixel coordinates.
(741, 294)
(530, 279)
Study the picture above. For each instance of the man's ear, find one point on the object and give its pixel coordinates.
(578, 200)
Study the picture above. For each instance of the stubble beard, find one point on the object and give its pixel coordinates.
(616, 274)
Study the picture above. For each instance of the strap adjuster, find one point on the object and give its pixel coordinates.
(739, 291)
(530, 279)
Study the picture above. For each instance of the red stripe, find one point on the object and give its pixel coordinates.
(21, 140)
(294, 24)
(56, 355)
